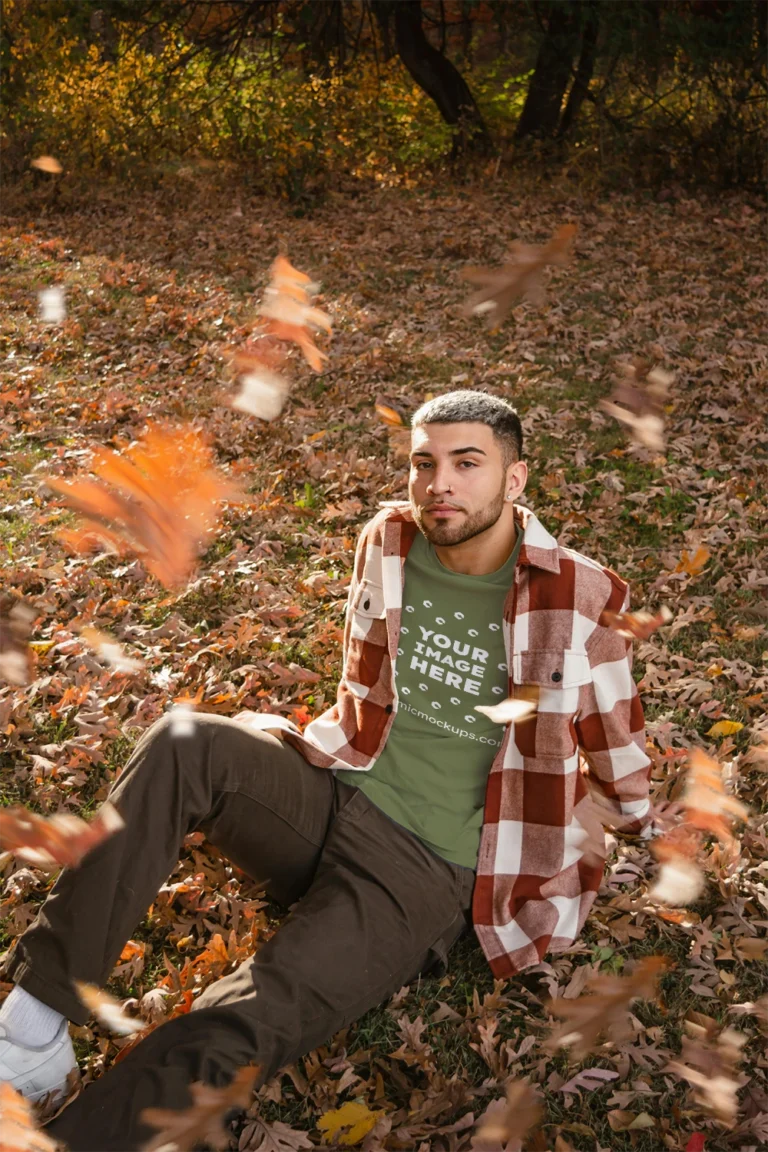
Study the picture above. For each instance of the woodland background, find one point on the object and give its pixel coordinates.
(383, 146)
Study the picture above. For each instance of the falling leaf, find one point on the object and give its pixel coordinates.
(637, 402)
(693, 565)
(708, 1061)
(725, 728)
(511, 711)
(678, 882)
(348, 1125)
(162, 504)
(606, 1011)
(635, 625)
(16, 619)
(507, 1120)
(182, 721)
(18, 1130)
(55, 841)
(521, 278)
(261, 394)
(708, 806)
(107, 1010)
(108, 649)
(289, 313)
(203, 1121)
(398, 432)
(47, 164)
(52, 307)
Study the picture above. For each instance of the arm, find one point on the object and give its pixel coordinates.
(611, 730)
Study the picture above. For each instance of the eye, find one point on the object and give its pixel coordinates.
(471, 463)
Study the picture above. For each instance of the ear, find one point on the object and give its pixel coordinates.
(517, 478)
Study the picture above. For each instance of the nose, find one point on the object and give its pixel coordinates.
(439, 482)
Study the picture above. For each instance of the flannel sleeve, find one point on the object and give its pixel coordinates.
(611, 731)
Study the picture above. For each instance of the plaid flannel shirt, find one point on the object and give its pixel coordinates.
(534, 888)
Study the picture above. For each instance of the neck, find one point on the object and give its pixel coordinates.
(482, 554)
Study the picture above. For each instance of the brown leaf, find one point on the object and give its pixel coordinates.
(507, 1120)
(606, 1011)
(18, 1130)
(107, 1010)
(635, 625)
(708, 1062)
(203, 1121)
(637, 402)
(162, 503)
(520, 278)
(55, 841)
(16, 619)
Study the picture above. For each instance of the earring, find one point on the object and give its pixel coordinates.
(510, 496)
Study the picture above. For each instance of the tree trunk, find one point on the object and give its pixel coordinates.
(436, 75)
(584, 71)
(541, 112)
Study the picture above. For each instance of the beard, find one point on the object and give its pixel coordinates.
(445, 534)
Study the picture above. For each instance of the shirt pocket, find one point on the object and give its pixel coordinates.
(553, 677)
(367, 618)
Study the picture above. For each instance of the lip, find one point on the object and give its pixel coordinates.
(442, 511)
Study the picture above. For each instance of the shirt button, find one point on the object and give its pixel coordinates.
(388, 708)
(367, 605)
(557, 677)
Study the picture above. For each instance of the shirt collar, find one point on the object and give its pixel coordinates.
(538, 550)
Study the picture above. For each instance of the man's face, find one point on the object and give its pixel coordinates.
(457, 483)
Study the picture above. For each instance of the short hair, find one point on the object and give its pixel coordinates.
(470, 407)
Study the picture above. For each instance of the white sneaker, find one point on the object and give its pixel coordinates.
(34, 1072)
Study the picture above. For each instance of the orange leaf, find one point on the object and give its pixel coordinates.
(55, 841)
(18, 1130)
(163, 505)
(693, 565)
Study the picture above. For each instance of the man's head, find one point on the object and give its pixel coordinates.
(466, 469)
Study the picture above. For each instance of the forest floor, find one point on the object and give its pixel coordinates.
(157, 286)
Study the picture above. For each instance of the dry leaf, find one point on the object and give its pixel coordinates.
(511, 711)
(108, 650)
(606, 1011)
(637, 402)
(708, 1062)
(16, 619)
(635, 625)
(52, 307)
(107, 1010)
(162, 504)
(203, 1121)
(349, 1124)
(693, 565)
(521, 278)
(262, 393)
(55, 841)
(507, 1120)
(18, 1130)
(47, 164)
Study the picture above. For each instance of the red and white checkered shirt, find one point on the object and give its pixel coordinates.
(533, 888)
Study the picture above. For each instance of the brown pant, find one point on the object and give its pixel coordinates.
(375, 908)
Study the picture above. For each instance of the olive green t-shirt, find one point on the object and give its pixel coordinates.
(431, 775)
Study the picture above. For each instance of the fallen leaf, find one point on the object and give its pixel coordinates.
(506, 1120)
(725, 728)
(348, 1125)
(108, 649)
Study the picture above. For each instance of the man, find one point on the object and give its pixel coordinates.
(431, 819)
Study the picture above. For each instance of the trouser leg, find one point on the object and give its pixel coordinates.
(381, 908)
(256, 798)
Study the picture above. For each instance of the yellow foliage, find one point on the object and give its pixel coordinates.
(349, 1124)
(725, 728)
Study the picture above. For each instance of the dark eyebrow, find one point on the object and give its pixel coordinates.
(454, 452)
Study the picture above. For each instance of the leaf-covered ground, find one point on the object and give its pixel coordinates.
(157, 286)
